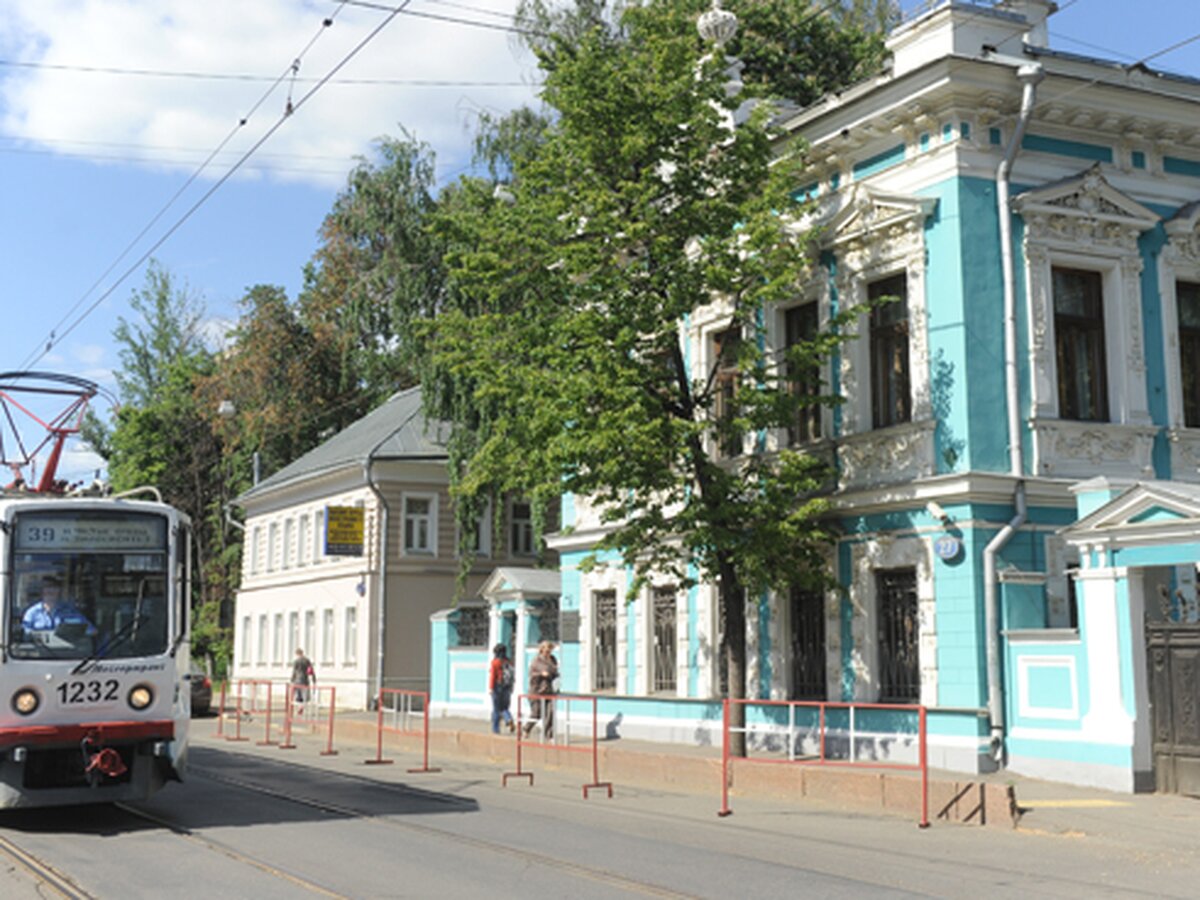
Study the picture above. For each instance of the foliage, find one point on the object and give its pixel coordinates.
(560, 351)
(161, 436)
(793, 50)
(376, 265)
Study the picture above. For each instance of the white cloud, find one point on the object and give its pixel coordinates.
(176, 121)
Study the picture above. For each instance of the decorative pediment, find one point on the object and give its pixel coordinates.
(1084, 209)
(1159, 507)
(1183, 239)
(867, 213)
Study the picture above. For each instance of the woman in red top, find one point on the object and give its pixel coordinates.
(500, 685)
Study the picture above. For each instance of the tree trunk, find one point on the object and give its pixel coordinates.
(735, 655)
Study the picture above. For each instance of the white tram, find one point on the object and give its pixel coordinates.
(94, 693)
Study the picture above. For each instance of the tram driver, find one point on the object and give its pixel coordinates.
(51, 611)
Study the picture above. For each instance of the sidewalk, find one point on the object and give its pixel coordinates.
(1159, 824)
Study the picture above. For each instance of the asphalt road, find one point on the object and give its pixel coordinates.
(259, 823)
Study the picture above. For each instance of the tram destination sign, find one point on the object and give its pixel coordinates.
(344, 528)
(58, 532)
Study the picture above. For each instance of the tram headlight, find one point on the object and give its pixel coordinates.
(26, 701)
(141, 696)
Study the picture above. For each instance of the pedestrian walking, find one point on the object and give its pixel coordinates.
(303, 676)
(500, 686)
(542, 673)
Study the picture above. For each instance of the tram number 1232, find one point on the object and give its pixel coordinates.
(71, 693)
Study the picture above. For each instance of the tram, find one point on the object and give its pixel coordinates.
(94, 698)
(94, 620)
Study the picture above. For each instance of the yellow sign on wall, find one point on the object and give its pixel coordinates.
(344, 529)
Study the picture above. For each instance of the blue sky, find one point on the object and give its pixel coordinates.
(90, 151)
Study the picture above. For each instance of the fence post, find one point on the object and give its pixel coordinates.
(266, 741)
(287, 720)
(237, 736)
(379, 760)
(924, 757)
(221, 710)
(425, 763)
(596, 782)
(329, 751)
(519, 742)
(725, 810)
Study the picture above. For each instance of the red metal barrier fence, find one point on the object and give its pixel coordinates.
(302, 708)
(543, 715)
(769, 727)
(402, 714)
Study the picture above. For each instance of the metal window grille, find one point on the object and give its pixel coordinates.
(472, 626)
(891, 392)
(899, 663)
(1187, 296)
(808, 645)
(665, 632)
(801, 324)
(1079, 345)
(725, 348)
(548, 621)
(605, 604)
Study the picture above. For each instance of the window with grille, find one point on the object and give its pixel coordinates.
(1079, 345)
(1187, 299)
(808, 644)
(293, 633)
(725, 351)
(666, 630)
(605, 605)
(548, 621)
(891, 391)
(277, 644)
(310, 631)
(472, 626)
(800, 325)
(899, 639)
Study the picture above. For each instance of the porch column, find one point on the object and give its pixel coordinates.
(1102, 590)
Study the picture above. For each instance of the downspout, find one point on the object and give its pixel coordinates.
(1029, 76)
(381, 612)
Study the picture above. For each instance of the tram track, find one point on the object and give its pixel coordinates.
(51, 882)
(592, 873)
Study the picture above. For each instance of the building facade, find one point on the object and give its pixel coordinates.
(361, 613)
(1018, 428)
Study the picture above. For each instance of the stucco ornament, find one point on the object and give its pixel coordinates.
(717, 25)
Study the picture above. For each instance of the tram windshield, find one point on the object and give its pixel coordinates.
(88, 582)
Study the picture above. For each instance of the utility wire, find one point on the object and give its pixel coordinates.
(53, 338)
(292, 109)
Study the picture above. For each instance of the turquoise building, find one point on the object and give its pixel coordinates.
(1018, 452)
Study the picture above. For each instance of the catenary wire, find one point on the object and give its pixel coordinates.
(53, 338)
(292, 109)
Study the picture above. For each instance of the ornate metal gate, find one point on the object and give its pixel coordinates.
(1173, 656)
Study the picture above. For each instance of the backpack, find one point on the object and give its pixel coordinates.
(507, 675)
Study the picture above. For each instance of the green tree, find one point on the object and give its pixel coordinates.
(557, 351)
(161, 437)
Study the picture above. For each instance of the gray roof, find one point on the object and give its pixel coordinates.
(395, 430)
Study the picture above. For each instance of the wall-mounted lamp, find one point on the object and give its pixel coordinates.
(935, 509)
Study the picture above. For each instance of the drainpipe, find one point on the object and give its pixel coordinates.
(1029, 76)
(381, 612)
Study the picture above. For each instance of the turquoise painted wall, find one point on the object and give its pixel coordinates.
(964, 294)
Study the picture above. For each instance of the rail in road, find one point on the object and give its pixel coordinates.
(248, 823)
